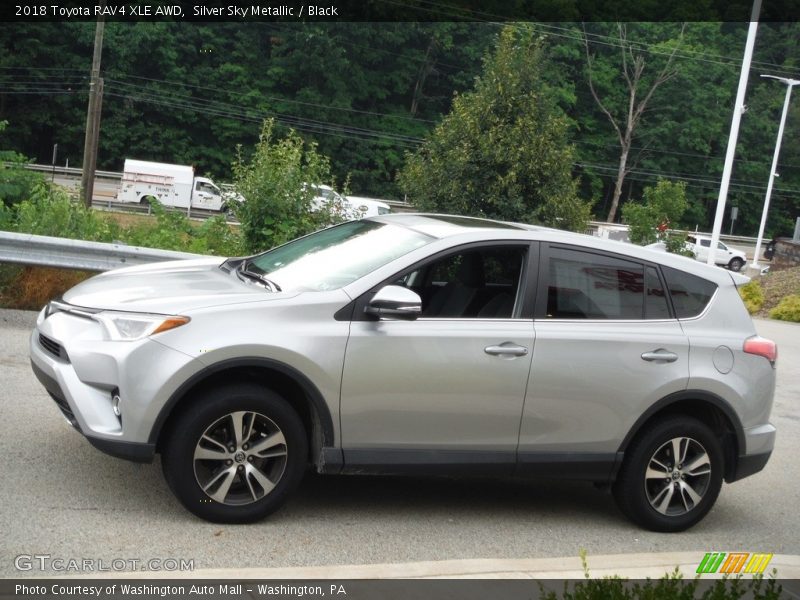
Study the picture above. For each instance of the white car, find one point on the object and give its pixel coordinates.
(369, 207)
(725, 257)
(349, 207)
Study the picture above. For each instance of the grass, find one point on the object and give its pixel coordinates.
(30, 288)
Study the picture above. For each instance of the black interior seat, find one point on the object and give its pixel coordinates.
(455, 297)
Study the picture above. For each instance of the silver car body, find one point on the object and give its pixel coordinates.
(407, 395)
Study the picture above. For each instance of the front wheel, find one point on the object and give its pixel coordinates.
(236, 455)
(736, 264)
(671, 476)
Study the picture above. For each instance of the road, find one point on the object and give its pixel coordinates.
(64, 499)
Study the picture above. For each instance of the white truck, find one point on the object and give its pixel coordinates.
(171, 185)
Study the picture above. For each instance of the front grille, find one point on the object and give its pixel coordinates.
(53, 347)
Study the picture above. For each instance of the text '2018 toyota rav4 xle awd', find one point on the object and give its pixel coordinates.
(419, 344)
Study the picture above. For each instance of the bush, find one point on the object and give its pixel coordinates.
(174, 231)
(753, 296)
(788, 309)
(16, 182)
(49, 211)
(277, 183)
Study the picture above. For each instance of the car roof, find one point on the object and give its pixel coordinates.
(473, 228)
(441, 225)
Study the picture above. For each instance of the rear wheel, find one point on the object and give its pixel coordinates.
(236, 455)
(671, 476)
(736, 264)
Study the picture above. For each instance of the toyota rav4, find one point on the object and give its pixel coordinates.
(419, 344)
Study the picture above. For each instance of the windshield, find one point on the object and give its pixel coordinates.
(334, 257)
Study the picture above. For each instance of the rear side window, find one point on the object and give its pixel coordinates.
(583, 285)
(656, 306)
(690, 294)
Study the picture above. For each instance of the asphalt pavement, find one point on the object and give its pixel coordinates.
(65, 500)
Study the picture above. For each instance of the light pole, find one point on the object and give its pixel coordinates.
(790, 83)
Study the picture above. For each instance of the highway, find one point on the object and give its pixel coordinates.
(64, 499)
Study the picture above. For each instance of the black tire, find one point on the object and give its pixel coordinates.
(652, 502)
(256, 485)
(736, 264)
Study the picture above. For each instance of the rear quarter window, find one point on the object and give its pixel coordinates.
(690, 294)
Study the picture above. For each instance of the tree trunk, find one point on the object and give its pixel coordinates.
(623, 162)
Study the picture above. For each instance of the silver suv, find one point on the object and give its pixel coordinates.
(419, 344)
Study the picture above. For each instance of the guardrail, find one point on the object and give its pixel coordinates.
(72, 171)
(42, 250)
(740, 239)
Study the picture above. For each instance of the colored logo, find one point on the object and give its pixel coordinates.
(732, 563)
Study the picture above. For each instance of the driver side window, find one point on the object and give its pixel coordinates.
(480, 283)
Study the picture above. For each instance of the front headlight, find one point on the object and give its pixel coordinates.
(129, 327)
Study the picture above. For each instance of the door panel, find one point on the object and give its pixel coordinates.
(589, 382)
(607, 347)
(431, 384)
(447, 388)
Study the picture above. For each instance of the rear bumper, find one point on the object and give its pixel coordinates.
(749, 465)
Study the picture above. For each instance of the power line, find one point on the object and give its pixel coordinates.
(276, 99)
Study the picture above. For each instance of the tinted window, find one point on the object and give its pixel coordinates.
(583, 285)
(690, 294)
(656, 305)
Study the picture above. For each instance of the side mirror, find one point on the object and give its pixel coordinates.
(395, 302)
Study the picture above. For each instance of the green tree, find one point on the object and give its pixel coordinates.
(663, 204)
(277, 186)
(501, 152)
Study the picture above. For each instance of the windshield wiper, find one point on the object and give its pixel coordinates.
(260, 277)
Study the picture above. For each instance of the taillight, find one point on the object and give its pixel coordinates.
(761, 347)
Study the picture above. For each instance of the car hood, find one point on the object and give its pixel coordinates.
(167, 288)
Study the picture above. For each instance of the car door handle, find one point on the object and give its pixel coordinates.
(660, 355)
(506, 349)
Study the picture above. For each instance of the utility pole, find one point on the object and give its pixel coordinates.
(790, 83)
(738, 110)
(93, 118)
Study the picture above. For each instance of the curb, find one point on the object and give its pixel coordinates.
(631, 566)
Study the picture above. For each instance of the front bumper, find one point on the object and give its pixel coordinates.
(133, 451)
(82, 371)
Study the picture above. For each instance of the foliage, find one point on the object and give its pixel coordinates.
(16, 182)
(753, 296)
(173, 231)
(30, 288)
(188, 93)
(672, 586)
(501, 152)
(788, 309)
(277, 183)
(49, 211)
(649, 222)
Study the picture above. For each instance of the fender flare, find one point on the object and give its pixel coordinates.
(671, 399)
(318, 402)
